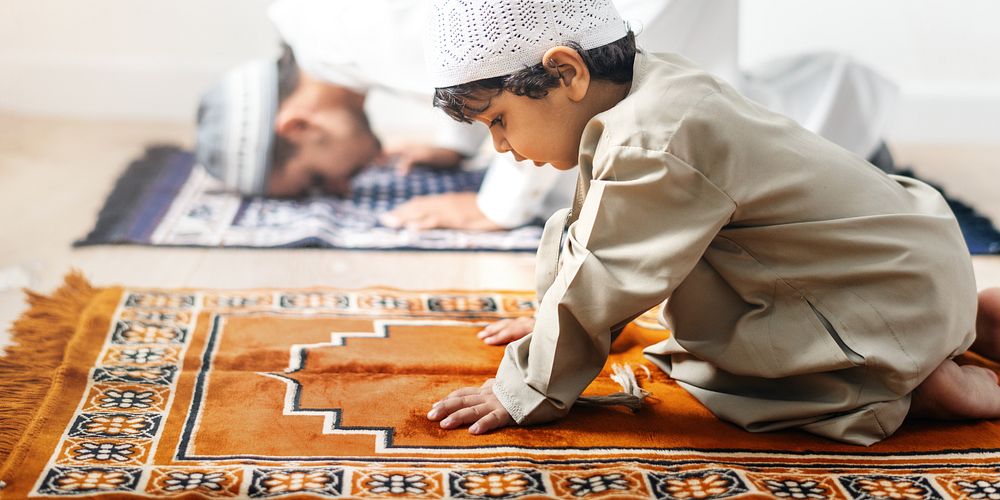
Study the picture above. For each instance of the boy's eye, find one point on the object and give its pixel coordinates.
(497, 120)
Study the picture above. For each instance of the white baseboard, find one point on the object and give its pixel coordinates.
(133, 90)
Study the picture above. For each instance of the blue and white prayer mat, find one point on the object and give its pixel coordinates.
(165, 199)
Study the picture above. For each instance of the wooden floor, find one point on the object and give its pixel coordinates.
(55, 173)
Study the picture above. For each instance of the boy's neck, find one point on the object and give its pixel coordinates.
(604, 95)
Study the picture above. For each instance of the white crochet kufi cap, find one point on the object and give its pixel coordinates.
(476, 39)
(236, 127)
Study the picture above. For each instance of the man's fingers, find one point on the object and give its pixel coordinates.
(390, 219)
(422, 223)
(491, 421)
(398, 149)
(404, 165)
(403, 215)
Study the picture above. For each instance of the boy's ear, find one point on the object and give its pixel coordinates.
(567, 64)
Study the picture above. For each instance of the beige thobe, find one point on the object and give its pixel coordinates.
(806, 288)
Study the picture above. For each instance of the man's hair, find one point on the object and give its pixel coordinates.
(288, 81)
(612, 62)
(288, 73)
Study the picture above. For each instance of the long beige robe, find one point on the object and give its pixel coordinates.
(806, 288)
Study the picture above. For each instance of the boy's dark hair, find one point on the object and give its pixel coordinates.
(611, 62)
(288, 81)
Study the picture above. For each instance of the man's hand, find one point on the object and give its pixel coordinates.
(445, 211)
(506, 331)
(476, 407)
(407, 156)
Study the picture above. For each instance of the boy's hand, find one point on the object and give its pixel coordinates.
(446, 211)
(506, 331)
(408, 155)
(476, 407)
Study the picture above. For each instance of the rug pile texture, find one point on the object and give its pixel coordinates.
(310, 393)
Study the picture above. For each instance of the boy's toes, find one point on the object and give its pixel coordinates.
(988, 324)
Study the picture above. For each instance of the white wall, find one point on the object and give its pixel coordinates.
(123, 58)
(945, 56)
(150, 59)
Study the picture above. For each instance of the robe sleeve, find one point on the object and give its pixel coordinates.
(645, 222)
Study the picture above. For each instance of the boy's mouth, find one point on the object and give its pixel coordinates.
(522, 158)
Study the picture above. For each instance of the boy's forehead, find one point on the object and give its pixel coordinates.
(480, 108)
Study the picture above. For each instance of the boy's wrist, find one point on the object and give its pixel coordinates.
(509, 403)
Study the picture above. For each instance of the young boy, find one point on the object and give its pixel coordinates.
(807, 289)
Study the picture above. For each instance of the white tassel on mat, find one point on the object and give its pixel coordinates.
(631, 397)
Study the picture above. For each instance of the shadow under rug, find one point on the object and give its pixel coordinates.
(323, 392)
(165, 199)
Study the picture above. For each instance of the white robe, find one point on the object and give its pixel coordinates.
(339, 42)
(807, 288)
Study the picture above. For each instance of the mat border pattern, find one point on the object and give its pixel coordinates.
(131, 389)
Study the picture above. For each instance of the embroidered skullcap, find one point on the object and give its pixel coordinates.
(236, 127)
(476, 39)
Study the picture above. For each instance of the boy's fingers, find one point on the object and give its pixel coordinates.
(492, 340)
(492, 328)
(494, 420)
(464, 391)
(438, 409)
(465, 416)
(450, 405)
(504, 337)
(511, 332)
(496, 326)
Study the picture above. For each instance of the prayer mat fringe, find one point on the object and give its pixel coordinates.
(131, 188)
(40, 337)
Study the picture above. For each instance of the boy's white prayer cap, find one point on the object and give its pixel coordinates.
(472, 40)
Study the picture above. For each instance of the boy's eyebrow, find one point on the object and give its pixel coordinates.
(482, 116)
(481, 112)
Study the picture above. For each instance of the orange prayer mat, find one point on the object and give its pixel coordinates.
(323, 392)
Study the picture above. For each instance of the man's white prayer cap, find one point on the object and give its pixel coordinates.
(472, 40)
(236, 127)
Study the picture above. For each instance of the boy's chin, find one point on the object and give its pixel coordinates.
(558, 165)
(563, 165)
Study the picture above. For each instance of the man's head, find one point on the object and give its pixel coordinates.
(270, 129)
(323, 135)
(534, 71)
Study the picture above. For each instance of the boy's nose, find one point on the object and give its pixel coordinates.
(500, 144)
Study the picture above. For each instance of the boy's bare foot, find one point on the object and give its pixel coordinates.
(988, 324)
(506, 331)
(954, 392)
